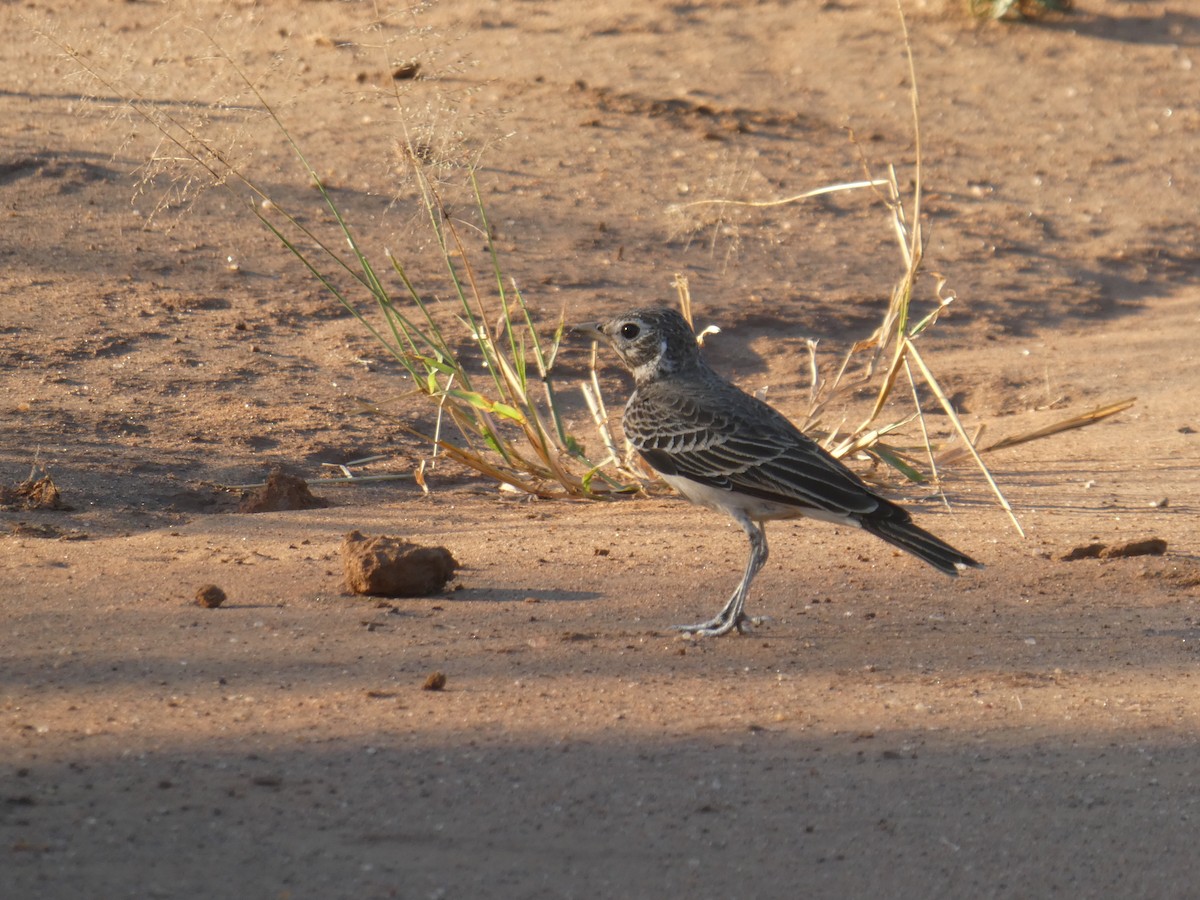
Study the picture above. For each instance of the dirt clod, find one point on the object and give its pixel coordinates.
(25, 529)
(281, 492)
(34, 493)
(1148, 547)
(407, 71)
(392, 567)
(1084, 551)
(435, 682)
(210, 596)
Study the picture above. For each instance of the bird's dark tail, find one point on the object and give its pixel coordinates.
(900, 531)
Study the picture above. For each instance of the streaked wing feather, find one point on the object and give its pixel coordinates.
(764, 456)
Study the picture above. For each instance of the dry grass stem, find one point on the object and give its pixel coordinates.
(1081, 420)
(781, 201)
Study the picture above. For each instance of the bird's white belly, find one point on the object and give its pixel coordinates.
(758, 510)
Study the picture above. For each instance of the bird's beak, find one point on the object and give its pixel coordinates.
(589, 330)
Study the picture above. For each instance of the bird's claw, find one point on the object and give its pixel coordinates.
(721, 625)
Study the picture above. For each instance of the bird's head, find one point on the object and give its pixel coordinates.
(652, 342)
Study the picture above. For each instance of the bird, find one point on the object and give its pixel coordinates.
(726, 450)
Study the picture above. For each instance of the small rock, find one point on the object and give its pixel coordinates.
(406, 71)
(435, 682)
(210, 596)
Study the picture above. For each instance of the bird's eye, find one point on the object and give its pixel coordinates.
(630, 330)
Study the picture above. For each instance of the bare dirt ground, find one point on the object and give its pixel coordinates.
(1028, 730)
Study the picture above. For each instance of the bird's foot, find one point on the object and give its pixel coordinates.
(721, 625)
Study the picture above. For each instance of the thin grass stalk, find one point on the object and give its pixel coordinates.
(896, 459)
(685, 298)
(962, 433)
(543, 367)
(885, 389)
(530, 420)
(211, 160)
(437, 425)
(858, 442)
(915, 255)
(783, 201)
(814, 372)
(565, 442)
(436, 339)
(445, 233)
(1082, 420)
(517, 354)
(371, 279)
(595, 407)
(920, 414)
(477, 319)
(331, 287)
(600, 417)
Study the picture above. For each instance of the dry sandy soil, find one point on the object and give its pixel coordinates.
(1028, 730)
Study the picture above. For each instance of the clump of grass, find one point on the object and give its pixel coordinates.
(890, 352)
(890, 356)
(505, 430)
(506, 424)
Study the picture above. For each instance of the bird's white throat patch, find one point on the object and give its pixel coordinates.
(662, 364)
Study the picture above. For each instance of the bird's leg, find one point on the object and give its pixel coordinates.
(733, 615)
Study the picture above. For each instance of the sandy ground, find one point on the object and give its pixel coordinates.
(1026, 731)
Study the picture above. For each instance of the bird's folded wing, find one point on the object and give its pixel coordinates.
(768, 458)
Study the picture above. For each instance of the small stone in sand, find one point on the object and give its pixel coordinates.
(435, 682)
(210, 596)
